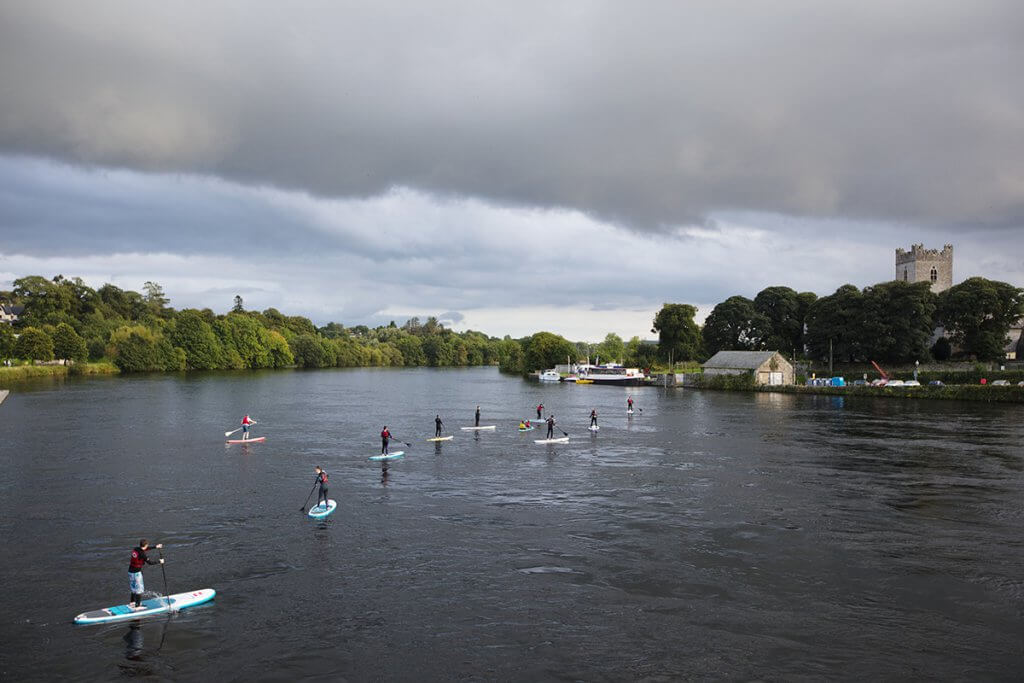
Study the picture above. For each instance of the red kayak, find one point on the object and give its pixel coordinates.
(259, 440)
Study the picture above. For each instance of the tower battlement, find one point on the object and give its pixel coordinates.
(926, 265)
(919, 253)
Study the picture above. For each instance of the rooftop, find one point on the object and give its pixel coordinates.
(743, 360)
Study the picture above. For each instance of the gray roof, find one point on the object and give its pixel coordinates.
(13, 309)
(739, 360)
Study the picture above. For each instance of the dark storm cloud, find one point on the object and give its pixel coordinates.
(650, 114)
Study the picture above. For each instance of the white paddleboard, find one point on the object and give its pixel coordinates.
(389, 456)
(441, 438)
(563, 439)
(593, 428)
(477, 429)
(319, 511)
(152, 606)
(629, 412)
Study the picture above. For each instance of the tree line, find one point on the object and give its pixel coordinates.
(891, 322)
(65, 319)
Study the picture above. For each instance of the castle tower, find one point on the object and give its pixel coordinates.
(926, 265)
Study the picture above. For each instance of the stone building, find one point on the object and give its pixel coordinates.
(926, 265)
(768, 367)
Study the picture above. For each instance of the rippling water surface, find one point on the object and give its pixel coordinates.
(713, 535)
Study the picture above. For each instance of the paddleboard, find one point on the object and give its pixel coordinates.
(319, 512)
(441, 438)
(178, 601)
(389, 456)
(470, 429)
(629, 412)
(593, 428)
(563, 439)
(257, 440)
(526, 429)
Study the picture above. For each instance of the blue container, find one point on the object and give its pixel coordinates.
(838, 382)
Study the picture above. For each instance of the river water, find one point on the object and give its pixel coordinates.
(711, 536)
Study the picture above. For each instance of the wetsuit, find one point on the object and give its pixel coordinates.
(437, 426)
(551, 427)
(539, 408)
(322, 494)
(138, 560)
(629, 404)
(593, 418)
(477, 422)
(384, 436)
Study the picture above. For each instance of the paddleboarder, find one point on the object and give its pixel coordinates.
(246, 423)
(476, 422)
(138, 560)
(551, 426)
(540, 407)
(385, 436)
(437, 426)
(629, 404)
(593, 418)
(321, 479)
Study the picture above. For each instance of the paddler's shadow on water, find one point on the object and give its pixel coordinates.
(383, 472)
(134, 642)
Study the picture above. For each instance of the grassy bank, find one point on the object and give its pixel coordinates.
(22, 372)
(958, 392)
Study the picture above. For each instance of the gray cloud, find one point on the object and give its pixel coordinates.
(651, 115)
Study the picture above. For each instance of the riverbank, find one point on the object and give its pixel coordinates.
(22, 372)
(961, 392)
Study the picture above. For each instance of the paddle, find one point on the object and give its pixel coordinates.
(167, 593)
(239, 429)
(303, 508)
(400, 441)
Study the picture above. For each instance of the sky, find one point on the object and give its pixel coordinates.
(507, 167)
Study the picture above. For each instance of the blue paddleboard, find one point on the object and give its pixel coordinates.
(150, 607)
(389, 456)
(319, 511)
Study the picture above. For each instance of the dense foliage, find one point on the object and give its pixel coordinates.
(66, 319)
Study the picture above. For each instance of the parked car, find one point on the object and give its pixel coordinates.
(878, 382)
(895, 383)
(936, 383)
(1001, 383)
(911, 383)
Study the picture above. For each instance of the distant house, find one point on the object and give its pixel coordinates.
(767, 367)
(9, 313)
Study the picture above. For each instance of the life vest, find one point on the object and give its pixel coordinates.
(385, 434)
(138, 560)
(323, 478)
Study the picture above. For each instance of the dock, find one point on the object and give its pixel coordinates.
(3, 394)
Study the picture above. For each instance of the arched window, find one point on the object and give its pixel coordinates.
(904, 274)
(935, 275)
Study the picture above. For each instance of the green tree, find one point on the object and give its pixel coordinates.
(6, 342)
(678, 334)
(839, 319)
(310, 353)
(898, 321)
(134, 349)
(510, 356)
(67, 345)
(154, 298)
(545, 350)
(941, 350)
(33, 344)
(196, 338)
(239, 306)
(411, 348)
(785, 313)
(45, 301)
(734, 325)
(248, 337)
(279, 350)
(612, 348)
(978, 314)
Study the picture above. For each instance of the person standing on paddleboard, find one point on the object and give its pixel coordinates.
(540, 408)
(437, 426)
(593, 418)
(385, 435)
(629, 404)
(246, 422)
(476, 423)
(321, 479)
(551, 426)
(138, 561)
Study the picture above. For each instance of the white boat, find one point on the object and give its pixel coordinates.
(612, 374)
(570, 378)
(550, 376)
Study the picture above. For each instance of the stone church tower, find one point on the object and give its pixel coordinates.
(926, 265)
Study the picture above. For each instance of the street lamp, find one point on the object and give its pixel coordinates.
(917, 364)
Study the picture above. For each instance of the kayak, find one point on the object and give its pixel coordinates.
(178, 601)
(526, 429)
(563, 439)
(471, 429)
(593, 428)
(389, 456)
(441, 438)
(584, 381)
(257, 440)
(319, 511)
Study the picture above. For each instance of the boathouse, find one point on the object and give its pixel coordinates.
(767, 367)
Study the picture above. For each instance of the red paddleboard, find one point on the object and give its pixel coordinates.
(259, 440)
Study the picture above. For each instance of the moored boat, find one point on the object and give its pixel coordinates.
(611, 374)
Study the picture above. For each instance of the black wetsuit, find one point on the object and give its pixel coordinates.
(322, 493)
(437, 426)
(593, 418)
(551, 427)
(477, 423)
